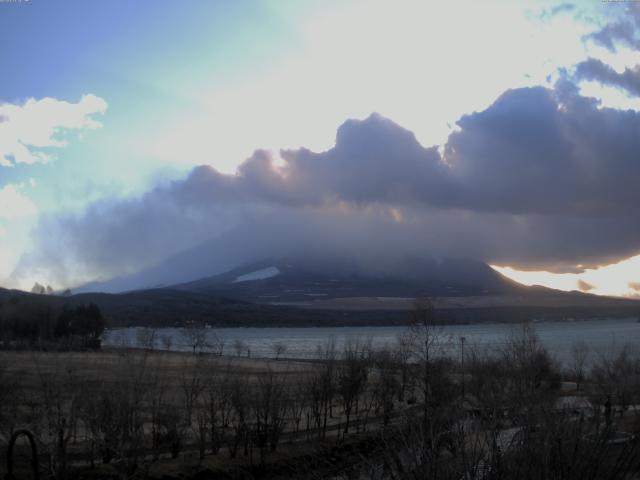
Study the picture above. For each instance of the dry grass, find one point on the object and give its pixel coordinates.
(29, 368)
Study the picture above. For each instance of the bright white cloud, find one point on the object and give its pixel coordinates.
(6, 261)
(616, 279)
(610, 97)
(18, 214)
(28, 129)
(422, 65)
(14, 204)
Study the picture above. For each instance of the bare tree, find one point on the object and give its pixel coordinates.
(123, 411)
(386, 384)
(428, 341)
(145, 338)
(215, 343)
(59, 393)
(167, 342)
(298, 401)
(158, 405)
(532, 377)
(12, 399)
(279, 348)
(352, 376)
(402, 357)
(239, 347)
(321, 384)
(191, 386)
(618, 377)
(579, 355)
(239, 420)
(217, 406)
(195, 336)
(269, 411)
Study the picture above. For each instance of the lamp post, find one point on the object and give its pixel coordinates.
(462, 340)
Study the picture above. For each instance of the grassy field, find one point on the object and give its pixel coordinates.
(133, 413)
(108, 363)
(171, 393)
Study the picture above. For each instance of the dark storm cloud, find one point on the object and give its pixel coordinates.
(542, 178)
(547, 152)
(596, 70)
(373, 161)
(622, 31)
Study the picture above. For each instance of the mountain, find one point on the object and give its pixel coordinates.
(173, 308)
(294, 280)
(6, 294)
(205, 284)
(161, 306)
(317, 300)
(205, 259)
(296, 291)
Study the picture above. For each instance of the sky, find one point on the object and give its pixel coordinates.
(503, 131)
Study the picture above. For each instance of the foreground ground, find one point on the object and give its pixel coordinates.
(356, 413)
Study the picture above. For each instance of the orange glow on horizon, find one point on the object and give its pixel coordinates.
(617, 279)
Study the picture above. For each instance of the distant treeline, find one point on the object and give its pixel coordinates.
(175, 308)
(256, 315)
(28, 321)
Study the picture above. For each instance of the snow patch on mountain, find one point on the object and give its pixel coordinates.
(258, 275)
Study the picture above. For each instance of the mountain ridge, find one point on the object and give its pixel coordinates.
(296, 280)
(175, 307)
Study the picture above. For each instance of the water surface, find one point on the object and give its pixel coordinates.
(603, 336)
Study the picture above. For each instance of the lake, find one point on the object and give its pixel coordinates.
(603, 336)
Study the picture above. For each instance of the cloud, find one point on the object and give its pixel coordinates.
(547, 152)
(166, 220)
(549, 13)
(532, 181)
(585, 286)
(563, 7)
(30, 129)
(14, 204)
(372, 161)
(596, 70)
(17, 216)
(612, 34)
(634, 286)
(621, 31)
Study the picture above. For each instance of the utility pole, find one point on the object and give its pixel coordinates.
(462, 340)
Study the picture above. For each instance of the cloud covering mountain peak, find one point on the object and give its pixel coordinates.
(533, 181)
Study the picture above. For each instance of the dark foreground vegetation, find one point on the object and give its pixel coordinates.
(29, 321)
(403, 412)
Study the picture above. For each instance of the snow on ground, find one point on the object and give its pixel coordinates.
(258, 275)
